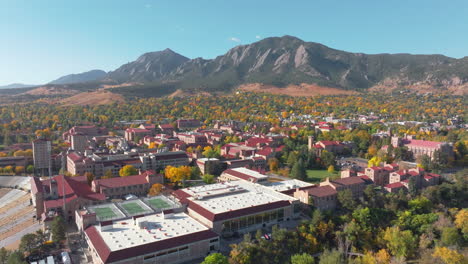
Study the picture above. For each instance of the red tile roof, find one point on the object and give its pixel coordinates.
(394, 185)
(122, 181)
(138, 130)
(329, 143)
(166, 126)
(75, 157)
(422, 143)
(322, 191)
(108, 256)
(71, 189)
(348, 181)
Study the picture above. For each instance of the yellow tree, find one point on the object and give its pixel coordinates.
(461, 221)
(19, 170)
(128, 170)
(448, 256)
(382, 257)
(155, 189)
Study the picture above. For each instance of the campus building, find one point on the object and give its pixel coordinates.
(61, 195)
(165, 237)
(42, 149)
(237, 206)
(242, 174)
(119, 186)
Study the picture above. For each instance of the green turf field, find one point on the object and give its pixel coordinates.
(104, 213)
(132, 208)
(158, 203)
(317, 176)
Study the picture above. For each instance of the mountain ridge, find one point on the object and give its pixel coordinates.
(279, 62)
(88, 76)
(287, 60)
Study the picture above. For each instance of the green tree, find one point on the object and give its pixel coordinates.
(412, 188)
(128, 170)
(108, 174)
(303, 258)
(450, 237)
(346, 199)
(208, 178)
(58, 229)
(195, 172)
(298, 171)
(30, 169)
(28, 242)
(16, 257)
(424, 162)
(400, 243)
(4, 255)
(216, 258)
(327, 158)
(332, 257)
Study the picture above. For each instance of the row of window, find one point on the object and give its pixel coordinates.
(181, 250)
(245, 222)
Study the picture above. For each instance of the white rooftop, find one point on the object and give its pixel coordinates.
(128, 233)
(223, 197)
(287, 185)
(251, 173)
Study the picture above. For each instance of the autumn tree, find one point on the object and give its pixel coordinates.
(461, 222)
(177, 174)
(448, 256)
(128, 170)
(273, 164)
(89, 178)
(400, 243)
(155, 189)
(19, 170)
(108, 174)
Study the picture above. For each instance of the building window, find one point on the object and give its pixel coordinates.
(148, 257)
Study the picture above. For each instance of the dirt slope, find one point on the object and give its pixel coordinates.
(303, 89)
(93, 98)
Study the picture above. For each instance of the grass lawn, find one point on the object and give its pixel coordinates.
(158, 203)
(104, 213)
(316, 176)
(132, 208)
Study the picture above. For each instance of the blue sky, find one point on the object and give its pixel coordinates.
(45, 39)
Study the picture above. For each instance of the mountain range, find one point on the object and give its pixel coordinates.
(281, 62)
(93, 75)
(16, 85)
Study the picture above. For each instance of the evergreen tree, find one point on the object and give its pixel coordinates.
(58, 229)
(298, 171)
